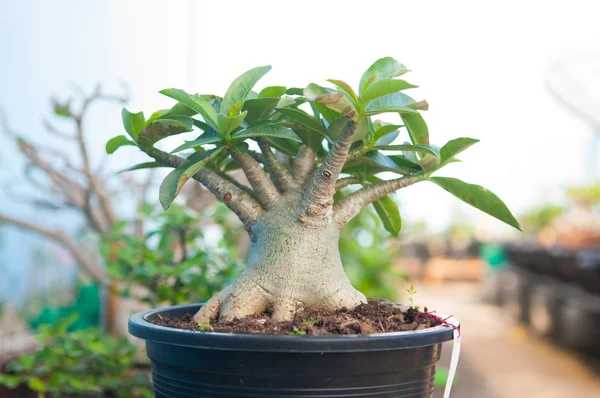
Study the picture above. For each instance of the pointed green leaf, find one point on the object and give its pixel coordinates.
(381, 88)
(259, 109)
(395, 102)
(303, 118)
(272, 92)
(388, 212)
(417, 128)
(157, 115)
(385, 130)
(162, 128)
(454, 147)
(478, 197)
(332, 99)
(380, 162)
(239, 90)
(140, 166)
(266, 130)
(116, 142)
(133, 123)
(226, 125)
(389, 138)
(411, 148)
(174, 181)
(383, 68)
(328, 114)
(194, 102)
(209, 137)
(345, 87)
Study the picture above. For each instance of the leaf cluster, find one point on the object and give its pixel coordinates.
(313, 116)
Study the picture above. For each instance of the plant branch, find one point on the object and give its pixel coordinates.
(245, 207)
(304, 164)
(350, 206)
(280, 173)
(261, 183)
(344, 182)
(318, 198)
(85, 259)
(238, 184)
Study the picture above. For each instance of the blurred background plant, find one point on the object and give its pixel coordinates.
(76, 363)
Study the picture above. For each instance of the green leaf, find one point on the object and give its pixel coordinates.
(381, 88)
(395, 102)
(116, 142)
(266, 130)
(345, 87)
(194, 102)
(140, 166)
(133, 123)
(454, 147)
(478, 197)
(430, 162)
(226, 124)
(209, 137)
(259, 109)
(285, 146)
(240, 148)
(379, 163)
(9, 381)
(389, 138)
(36, 384)
(383, 68)
(388, 212)
(304, 119)
(239, 90)
(163, 128)
(294, 91)
(272, 92)
(417, 128)
(332, 99)
(174, 181)
(335, 129)
(328, 114)
(411, 148)
(385, 130)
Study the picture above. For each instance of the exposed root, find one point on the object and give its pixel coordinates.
(246, 297)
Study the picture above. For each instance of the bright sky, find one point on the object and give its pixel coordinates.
(480, 65)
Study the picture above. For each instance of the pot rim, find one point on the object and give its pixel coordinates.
(139, 326)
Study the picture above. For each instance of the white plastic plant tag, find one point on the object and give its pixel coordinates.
(453, 363)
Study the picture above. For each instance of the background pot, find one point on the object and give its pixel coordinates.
(194, 364)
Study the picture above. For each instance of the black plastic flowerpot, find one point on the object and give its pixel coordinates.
(196, 364)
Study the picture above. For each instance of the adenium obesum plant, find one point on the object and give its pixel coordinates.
(324, 139)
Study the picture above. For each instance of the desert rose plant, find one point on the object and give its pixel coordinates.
(313, 142)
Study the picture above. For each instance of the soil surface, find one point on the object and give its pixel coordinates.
(377, 316)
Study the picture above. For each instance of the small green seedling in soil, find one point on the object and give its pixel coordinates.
(412, 291)
(310, 322)
(204, 327)
(296, 331)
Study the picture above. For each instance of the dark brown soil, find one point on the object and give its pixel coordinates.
(377, 316)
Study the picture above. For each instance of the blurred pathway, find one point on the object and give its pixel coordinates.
(501, 360)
